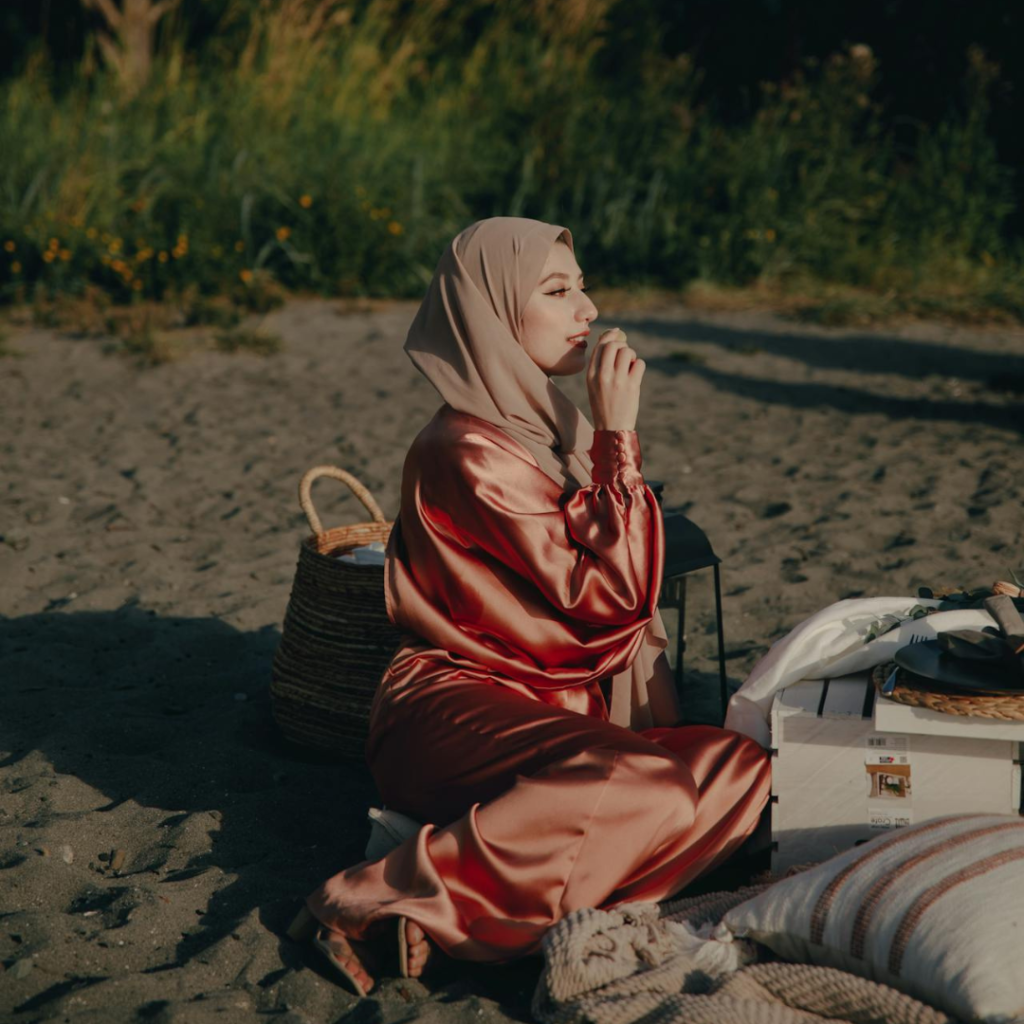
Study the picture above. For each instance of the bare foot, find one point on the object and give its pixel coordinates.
(418, 945)
(419, 948)
(346, 956)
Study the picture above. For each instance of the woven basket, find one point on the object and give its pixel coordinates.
(337, 639)
(912, 690)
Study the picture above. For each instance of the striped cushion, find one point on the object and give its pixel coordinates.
(936, 910)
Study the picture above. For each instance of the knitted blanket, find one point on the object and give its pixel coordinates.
(652, 963)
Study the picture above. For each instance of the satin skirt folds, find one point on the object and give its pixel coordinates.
(536, 811)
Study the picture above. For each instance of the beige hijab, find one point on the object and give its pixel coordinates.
(466, 340)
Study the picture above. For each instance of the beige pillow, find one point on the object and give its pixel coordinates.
(935, 910)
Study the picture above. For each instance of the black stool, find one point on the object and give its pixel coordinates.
(688, 549)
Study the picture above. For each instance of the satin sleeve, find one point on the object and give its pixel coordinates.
(595, 554)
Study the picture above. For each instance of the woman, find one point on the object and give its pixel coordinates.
(525, 568)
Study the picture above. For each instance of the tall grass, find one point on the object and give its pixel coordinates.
(338, 149)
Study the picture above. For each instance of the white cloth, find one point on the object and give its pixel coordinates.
(367, 554)
(388, 830)
(833, 643)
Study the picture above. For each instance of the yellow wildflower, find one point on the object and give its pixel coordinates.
(9, 246)
(360, 191)
(48, 256)
(394, 227)
(305, 201)
(163, 257)
(137, 285)
(283, 233)
(769, 235)
(54, 244)
(65, 254)
(115, 245)
(16, 267)
(90, 233)
(245, 275)
(239, 246)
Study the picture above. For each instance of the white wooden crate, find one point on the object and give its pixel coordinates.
(846, 766)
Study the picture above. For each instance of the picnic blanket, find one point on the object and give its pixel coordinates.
(653, 963)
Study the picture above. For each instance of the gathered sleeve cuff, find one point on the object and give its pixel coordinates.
(617, 459)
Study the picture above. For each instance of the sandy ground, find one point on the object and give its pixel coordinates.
(158, 834)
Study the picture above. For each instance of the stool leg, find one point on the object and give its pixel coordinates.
(722, 685)
(680, 636)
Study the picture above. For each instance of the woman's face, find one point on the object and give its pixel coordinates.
(557, 316)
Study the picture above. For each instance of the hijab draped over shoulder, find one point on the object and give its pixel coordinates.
(466, 340)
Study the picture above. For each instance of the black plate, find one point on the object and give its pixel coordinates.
(928, 660)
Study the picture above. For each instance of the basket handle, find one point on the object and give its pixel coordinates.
(306, 497)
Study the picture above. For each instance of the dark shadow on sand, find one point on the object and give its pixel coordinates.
(863, 353)
(848, 400)
(144, 708)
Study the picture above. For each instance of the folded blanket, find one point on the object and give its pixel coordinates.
(668, 964)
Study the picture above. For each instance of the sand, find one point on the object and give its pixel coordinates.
(158, 833)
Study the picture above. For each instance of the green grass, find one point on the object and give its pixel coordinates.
(261, 343)
(339, 156)
(156, 332)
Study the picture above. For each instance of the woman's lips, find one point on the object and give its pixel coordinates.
(579, 341)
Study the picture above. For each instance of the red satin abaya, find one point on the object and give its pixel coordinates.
(490, 723)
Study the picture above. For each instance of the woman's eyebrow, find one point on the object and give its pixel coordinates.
(558, 273)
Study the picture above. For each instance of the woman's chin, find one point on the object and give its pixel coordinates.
(574, 361)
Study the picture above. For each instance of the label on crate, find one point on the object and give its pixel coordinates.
(885, 749)
(881, 819)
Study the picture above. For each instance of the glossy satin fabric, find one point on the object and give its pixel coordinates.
(503, 574)
(491, 724)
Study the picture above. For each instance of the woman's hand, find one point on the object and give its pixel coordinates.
(613, 382)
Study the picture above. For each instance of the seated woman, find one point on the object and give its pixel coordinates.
(524, 569)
